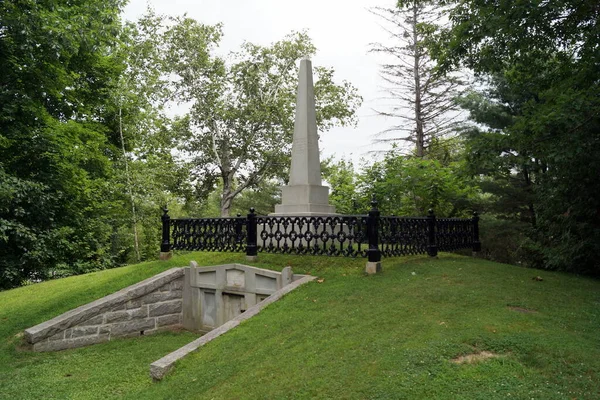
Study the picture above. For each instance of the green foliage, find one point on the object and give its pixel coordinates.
(342, 181)
(407, 186)
(240, 126)
(410, 186)
(146, 172)
(263, 199)
(504, 240)
(86, 146)
(542, 111)
(55, 136)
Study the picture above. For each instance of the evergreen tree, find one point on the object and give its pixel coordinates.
(542, 116)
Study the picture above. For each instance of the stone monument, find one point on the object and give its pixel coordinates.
(305, 195)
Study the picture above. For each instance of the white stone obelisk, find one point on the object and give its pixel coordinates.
(305, 195)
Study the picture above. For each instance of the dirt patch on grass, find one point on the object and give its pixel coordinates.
(521, 310)
(473, 358)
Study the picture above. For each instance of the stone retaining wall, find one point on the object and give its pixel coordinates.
(140, 309)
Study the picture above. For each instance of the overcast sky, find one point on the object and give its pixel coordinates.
(340, 29)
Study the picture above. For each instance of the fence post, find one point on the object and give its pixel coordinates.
(251, 246)
(373, 253)
(431, 245)
(476, 242)
(165, 245)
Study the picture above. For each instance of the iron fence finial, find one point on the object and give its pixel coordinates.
(374, 202)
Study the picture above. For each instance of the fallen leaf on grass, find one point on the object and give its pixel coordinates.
(320, 280)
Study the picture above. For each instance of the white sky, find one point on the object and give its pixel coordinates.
(340, 29)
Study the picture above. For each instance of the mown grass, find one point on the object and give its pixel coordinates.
(389, 336)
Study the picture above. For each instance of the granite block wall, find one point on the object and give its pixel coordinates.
(140, 309)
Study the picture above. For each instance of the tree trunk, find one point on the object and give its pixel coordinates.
(225, 205)
(226, 195)
(136, 242)
(420, 140)
(529, 191)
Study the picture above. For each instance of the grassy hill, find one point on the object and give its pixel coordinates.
(404, 334)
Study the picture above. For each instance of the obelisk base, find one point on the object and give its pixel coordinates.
(304, 200)
(303, 210)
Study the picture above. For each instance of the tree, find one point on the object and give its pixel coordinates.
(145, 170)
(240, 125)
(55, 136)
(410, 186)
(342, 180)
(543, 60)
(423, 99)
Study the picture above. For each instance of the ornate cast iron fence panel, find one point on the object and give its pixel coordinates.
(454, 234)
(369, 235)
(400, 236)
(209, 234)
(312, 235)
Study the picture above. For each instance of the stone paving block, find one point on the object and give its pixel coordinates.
(120, 307)
(137, 303)
(141, 312)
(164, 288)
(134, 326)
(117, 316)
(165, 320)
(58, 336)
(97, 320)
(168, 307)
(84, 331)
(177, 284)
(69, 343)
(162, 296)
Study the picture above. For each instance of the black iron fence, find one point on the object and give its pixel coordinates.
(370, 235)
(343, 235)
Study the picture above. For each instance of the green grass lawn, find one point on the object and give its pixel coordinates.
(389, 336)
